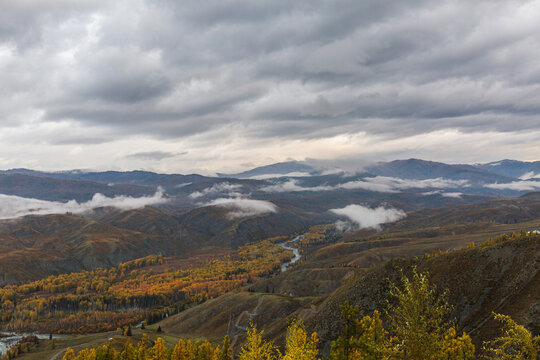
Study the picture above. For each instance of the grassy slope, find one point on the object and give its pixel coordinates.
(478, 278)
(503, 278)
(45, 351)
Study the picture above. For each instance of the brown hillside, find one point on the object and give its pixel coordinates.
(502, 278)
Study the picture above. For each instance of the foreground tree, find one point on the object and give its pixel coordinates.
(300, 345)
(419, 323)
(419, 328)
(224, 352)
(363, 338)
(342, 347)
(516, 342)
(69, 355)
(256, 348)
(159, 351)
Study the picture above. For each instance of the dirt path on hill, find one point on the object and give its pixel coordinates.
(241, 329)
(55, 356)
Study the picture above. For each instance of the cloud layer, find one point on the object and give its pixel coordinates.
(242, 207)
(527, 185)
(92, 79)
(218, 188)
(365, 217)
(530, 175)
(16, 206)
(382, 184)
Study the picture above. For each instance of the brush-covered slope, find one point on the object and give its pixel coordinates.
(36, 246)
(505, 211)
(499, 277)
(503, 278)
(231, 313)
(33, 247)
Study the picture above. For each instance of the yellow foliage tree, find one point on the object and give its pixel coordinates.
(419, 323)
(299, 345)
(256, 348)
(180, 351)
(159, 351)
(69, 355)
(516, 342)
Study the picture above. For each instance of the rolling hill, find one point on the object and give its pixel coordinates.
(513, 168)
(45, 188)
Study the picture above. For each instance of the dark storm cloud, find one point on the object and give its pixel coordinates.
(277, 68)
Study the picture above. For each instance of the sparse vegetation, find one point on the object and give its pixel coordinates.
(419, 328)
(516, 342)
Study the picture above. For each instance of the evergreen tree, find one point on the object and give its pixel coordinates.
(341, 348)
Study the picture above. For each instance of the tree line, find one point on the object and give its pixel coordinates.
(105, 299)
(418, 329)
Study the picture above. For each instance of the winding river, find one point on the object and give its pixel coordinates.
(295, 251)
(8, 339)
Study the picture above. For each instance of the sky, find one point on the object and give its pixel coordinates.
(206, 86)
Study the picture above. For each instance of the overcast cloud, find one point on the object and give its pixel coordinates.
(224, 85)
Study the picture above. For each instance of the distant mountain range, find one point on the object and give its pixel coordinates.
(142, 212)
(501, 171)
(421, 169)
(513, 168)
(278, 169)
(296, 184)
(358, 228)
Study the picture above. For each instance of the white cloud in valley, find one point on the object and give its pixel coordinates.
(383, 184)
(527, 185)
(274, 176)
(530, 175)
(445, 194)
(291, 185)
(243, 207)
(452, 194)
(365, 217)
(219, 188)
(12, 206)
